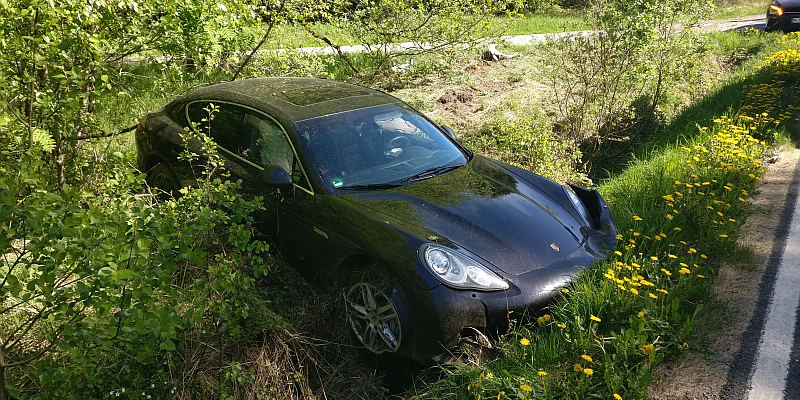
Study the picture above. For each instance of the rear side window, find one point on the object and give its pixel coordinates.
(248, 134)
(224, 125)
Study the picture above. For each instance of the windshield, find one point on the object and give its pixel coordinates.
(376, 147)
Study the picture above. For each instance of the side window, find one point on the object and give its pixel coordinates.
(269, 146)
(250, 135)
(225, 126)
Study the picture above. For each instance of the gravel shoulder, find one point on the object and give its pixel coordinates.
(703, 371)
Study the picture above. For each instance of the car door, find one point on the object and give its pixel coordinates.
(251, 142)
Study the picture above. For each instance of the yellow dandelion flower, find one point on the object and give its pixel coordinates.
(648, 348)
(564, 290)
(546, 317)
(653, 296)
(684, 271)
(619, 236)
(669, 217)
(527, 388)
(672, 256)
(588, 371)
(684, 265)
(634, 291)
(540, 321)
(562, 326)
(577, 368)
(666, 272)
(668, 198)
(685, 345)
(617, 397)
(617, 252)
(587, 358)
(723, 235)
(524, 342)
(658, 237)
(636, 233)
(654, 258)
(662, 291)
(593, 318)
(691, 251)
(640, 314)
(703, 256)
(701, 276)
(637, 218)
(677, 228)
(541, 373)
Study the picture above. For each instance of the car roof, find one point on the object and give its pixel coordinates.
(296, 98)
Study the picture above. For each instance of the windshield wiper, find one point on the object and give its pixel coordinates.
(429, 173)
(375, 186)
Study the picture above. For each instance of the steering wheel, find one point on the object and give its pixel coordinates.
(396, 146)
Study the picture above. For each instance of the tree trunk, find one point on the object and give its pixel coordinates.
(4, 393)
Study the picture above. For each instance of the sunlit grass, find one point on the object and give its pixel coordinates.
(679, 211)
(740, 8)
(548, 22)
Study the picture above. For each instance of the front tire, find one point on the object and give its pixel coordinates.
(376, 313)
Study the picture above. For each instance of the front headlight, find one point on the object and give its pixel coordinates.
(459, 271)
(587, 217)
(775, 9)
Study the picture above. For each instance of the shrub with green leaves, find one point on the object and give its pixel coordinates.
(529, 143)
(90, 271)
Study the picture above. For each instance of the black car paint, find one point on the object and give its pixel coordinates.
(791, 10)
(326, 230)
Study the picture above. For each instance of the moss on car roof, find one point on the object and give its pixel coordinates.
(297, 98)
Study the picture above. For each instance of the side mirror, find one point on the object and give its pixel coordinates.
(275, 176)
(449, 132)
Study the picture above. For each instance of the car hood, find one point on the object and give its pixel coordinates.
(790, 5)
(484, 209)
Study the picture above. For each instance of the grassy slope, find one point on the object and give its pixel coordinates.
(686, 186)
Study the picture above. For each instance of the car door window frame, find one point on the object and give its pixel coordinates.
(309, 189)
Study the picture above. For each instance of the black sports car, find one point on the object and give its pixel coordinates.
(783, 15)
(426, 238)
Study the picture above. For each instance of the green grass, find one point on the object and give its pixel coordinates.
(679, 207)
(548, 22)
(295, 35)
(740, 8)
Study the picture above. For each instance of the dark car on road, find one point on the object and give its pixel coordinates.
(426, 239)
(783, 15)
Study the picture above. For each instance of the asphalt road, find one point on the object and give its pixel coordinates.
(767, 365)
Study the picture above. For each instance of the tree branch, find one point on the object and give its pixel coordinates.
(261, 43)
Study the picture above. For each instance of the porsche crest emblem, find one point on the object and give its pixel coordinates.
(554, 247)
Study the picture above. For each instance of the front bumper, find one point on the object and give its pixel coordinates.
(789, 21)
(441, 313)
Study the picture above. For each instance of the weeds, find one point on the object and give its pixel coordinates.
(678, 213)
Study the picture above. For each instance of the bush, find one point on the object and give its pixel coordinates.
(529, 143)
